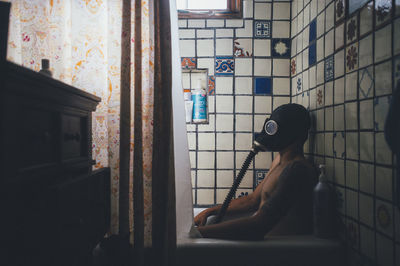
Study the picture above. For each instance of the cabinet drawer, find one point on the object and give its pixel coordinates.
(74, 136)
(37, 137)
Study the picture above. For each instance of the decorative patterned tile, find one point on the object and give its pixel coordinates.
(281, 47)
(338, 145)
(262, 86)
(224, 66)
(260, 175)
(189, 62)
(313, 31)
(383, 10)
(352, 57)
(312, 54)
(243, 48)
(211, 85)
(299, 84)
(383, 215)
(329, 68)
(340, 10)
(262, 29)
(320, 96)
(366, 83)
(352, 30)
(293, 66)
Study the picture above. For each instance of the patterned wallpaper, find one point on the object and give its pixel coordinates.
(247, 62)
(344, 65)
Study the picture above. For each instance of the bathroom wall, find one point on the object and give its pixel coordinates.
(344, 65)
(248, 63)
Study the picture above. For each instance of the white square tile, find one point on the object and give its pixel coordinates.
(247, 182)
(205, 160)
(187, 48)
(366, 114)
(305, 81)
(186, 80)
(328, 146)
(352, 174)
(366, 210)
(306, 15)
(339, 36)
(221, 194)
(329, 43)
(211, 104)
(243, 85)
(352, 146)
(205, 196)
(328, 119)
(366, 149)
(299, 63)
(262, 67)
(339, 63)
(305, 58)
(262, 104)
(278, 101)
(366, 16)
(396, 37)
(209, 126)
(339, 90)
(206, 141)
(384, 182)
(321, 24)
(240, 158)
(243, 141)
(313, 9)
(206, 178)
(381, 110)
(247, 31)
(262, 47)
(192, 156)
(224, 85)
(224, 178)
(244, 104)
(232, 23)
(300, 20)
(280, 29)
(281, 10)
(224, 104)
(243, 66)
(339, 172)
(281, 67)
(182, 23)
(329, 93)
(320, 49)
(244, 123)
(205, 48)
(259, 122)
(365, 51)
(205, 34)
(351, 86)
(263, 160)
(383, 153)
(247, 9)
(196, 23)
(384, 247)
(215, 23)
(198, 80)
(281, 86)
(383, 43)
(351, 116)
(313, 76)
(306, 37)
(262, 11)
(191, 141)
(224, 141)
(224, 32)
(224, 47)
(320, 73)
(383, 78)
(339, 117)
(293, 27)
(225, 159)
(367, 178)
(206, 63)
(330, 16)
(224, 122)
(186, 34)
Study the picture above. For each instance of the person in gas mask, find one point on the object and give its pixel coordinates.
(282, 202)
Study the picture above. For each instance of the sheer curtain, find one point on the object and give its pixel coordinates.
(93, 45)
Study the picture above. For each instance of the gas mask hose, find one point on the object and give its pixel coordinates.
(236, 184)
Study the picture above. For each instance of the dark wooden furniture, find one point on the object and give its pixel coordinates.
(54, 209)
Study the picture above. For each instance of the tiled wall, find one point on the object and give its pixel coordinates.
(248, 64)
(344, 65)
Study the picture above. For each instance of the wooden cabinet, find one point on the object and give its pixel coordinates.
(54, 207)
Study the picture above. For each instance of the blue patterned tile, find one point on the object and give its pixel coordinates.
(260, 175)
(224, 66)
(262, 86)
(312, 54)
(299, 84)
(313, 31)
(281, 47)
(262, 29)
(329, 68)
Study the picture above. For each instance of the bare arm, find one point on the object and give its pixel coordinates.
(268, 215)
(239, 205)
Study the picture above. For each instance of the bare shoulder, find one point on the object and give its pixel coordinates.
(299, 169)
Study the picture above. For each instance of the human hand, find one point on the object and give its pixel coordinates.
(201, 218)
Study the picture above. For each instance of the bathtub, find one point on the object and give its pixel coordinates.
(298, 250)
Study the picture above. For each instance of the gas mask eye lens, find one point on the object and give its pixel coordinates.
(271, 127)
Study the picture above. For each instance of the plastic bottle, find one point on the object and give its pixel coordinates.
(46, 68)
(199, 97)
(324, 218)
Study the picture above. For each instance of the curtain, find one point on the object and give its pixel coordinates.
(114, 49)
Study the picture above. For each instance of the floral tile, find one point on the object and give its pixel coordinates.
(340, 10)
(352, 57)
(366, 83)
(189, 62)
(243, 48)
(224, 66)
(293, 66)
(329, 68)
(281, 47)
(211, 85)
(262, 29)
(383, 10)
(352, 30)
(320, 96)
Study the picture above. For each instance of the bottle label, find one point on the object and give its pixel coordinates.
(199, 106)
